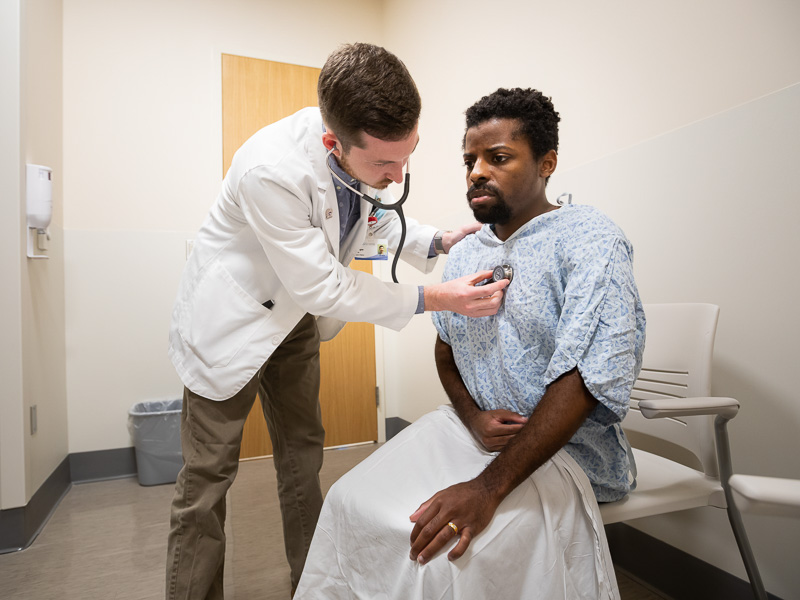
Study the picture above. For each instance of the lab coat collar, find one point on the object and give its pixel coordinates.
(328, 207)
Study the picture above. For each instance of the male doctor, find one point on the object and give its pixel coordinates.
(268, 278)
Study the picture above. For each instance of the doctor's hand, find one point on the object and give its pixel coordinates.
(451, 238)
(469, 506)
(461, 296)
(495, 428)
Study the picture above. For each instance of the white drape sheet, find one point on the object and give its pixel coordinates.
(546, 539)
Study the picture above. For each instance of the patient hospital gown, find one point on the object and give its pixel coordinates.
(572, 303)
(546, 540)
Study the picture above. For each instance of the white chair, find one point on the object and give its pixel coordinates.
(678, 432)
(771, 496)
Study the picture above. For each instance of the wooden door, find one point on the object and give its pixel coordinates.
(256, 93)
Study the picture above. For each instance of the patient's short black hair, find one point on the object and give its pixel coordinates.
(533, 110)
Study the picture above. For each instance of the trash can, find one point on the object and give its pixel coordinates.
(155, 427)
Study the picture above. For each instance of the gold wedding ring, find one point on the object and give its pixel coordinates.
(453, 526)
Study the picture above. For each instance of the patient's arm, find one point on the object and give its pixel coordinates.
(471, 505)
(492, 428)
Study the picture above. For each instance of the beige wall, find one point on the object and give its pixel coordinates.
(619, 74)
(142, 156)
(12, 440)
(143, 162)
(623, 74)
(33, 289)
(43, 280)
(715, 233)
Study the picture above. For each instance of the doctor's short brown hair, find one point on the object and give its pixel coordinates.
(363, 87)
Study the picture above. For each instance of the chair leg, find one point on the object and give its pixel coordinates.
(734, 516)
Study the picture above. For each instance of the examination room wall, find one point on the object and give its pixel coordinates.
(143, 164)
(641, 87)
(32, 345)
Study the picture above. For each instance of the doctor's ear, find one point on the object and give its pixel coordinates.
(331, 142)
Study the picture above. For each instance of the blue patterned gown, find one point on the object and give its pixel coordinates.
(572, 303)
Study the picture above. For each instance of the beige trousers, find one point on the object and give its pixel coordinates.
(211, 436)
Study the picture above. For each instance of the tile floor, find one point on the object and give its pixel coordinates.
(107, 541)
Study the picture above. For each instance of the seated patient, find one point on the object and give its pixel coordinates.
(510, 475)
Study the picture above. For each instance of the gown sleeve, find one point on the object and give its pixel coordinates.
(597, 331)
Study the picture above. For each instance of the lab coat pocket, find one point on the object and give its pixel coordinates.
(220, 317)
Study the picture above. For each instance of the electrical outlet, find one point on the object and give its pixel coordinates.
(34, 424)
(189, 248)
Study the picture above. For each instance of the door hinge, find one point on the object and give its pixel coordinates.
(377, 396)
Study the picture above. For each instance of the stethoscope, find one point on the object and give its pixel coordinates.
(506, 271)
(499, 273)
(396, 206)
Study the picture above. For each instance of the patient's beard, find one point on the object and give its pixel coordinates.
(497, 213)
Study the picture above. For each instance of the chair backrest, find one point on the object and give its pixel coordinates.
(676, 364)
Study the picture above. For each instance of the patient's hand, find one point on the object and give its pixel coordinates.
(470, 506)
(495, 428)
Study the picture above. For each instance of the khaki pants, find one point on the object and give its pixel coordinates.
(211, 436)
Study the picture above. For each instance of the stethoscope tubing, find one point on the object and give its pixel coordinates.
(395, 206)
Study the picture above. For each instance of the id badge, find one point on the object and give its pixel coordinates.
(373, 248)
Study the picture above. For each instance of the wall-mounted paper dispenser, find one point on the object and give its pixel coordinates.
(39, 207)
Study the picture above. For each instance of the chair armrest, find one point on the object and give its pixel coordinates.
(689, 407)
(766, 495)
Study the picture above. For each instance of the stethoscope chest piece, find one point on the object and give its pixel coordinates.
(501, 272)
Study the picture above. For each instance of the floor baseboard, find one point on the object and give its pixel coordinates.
(102, 464)
(20, 526)
(670, 572)
(395, 425)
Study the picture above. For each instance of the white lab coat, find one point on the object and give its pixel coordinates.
(273, 235)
